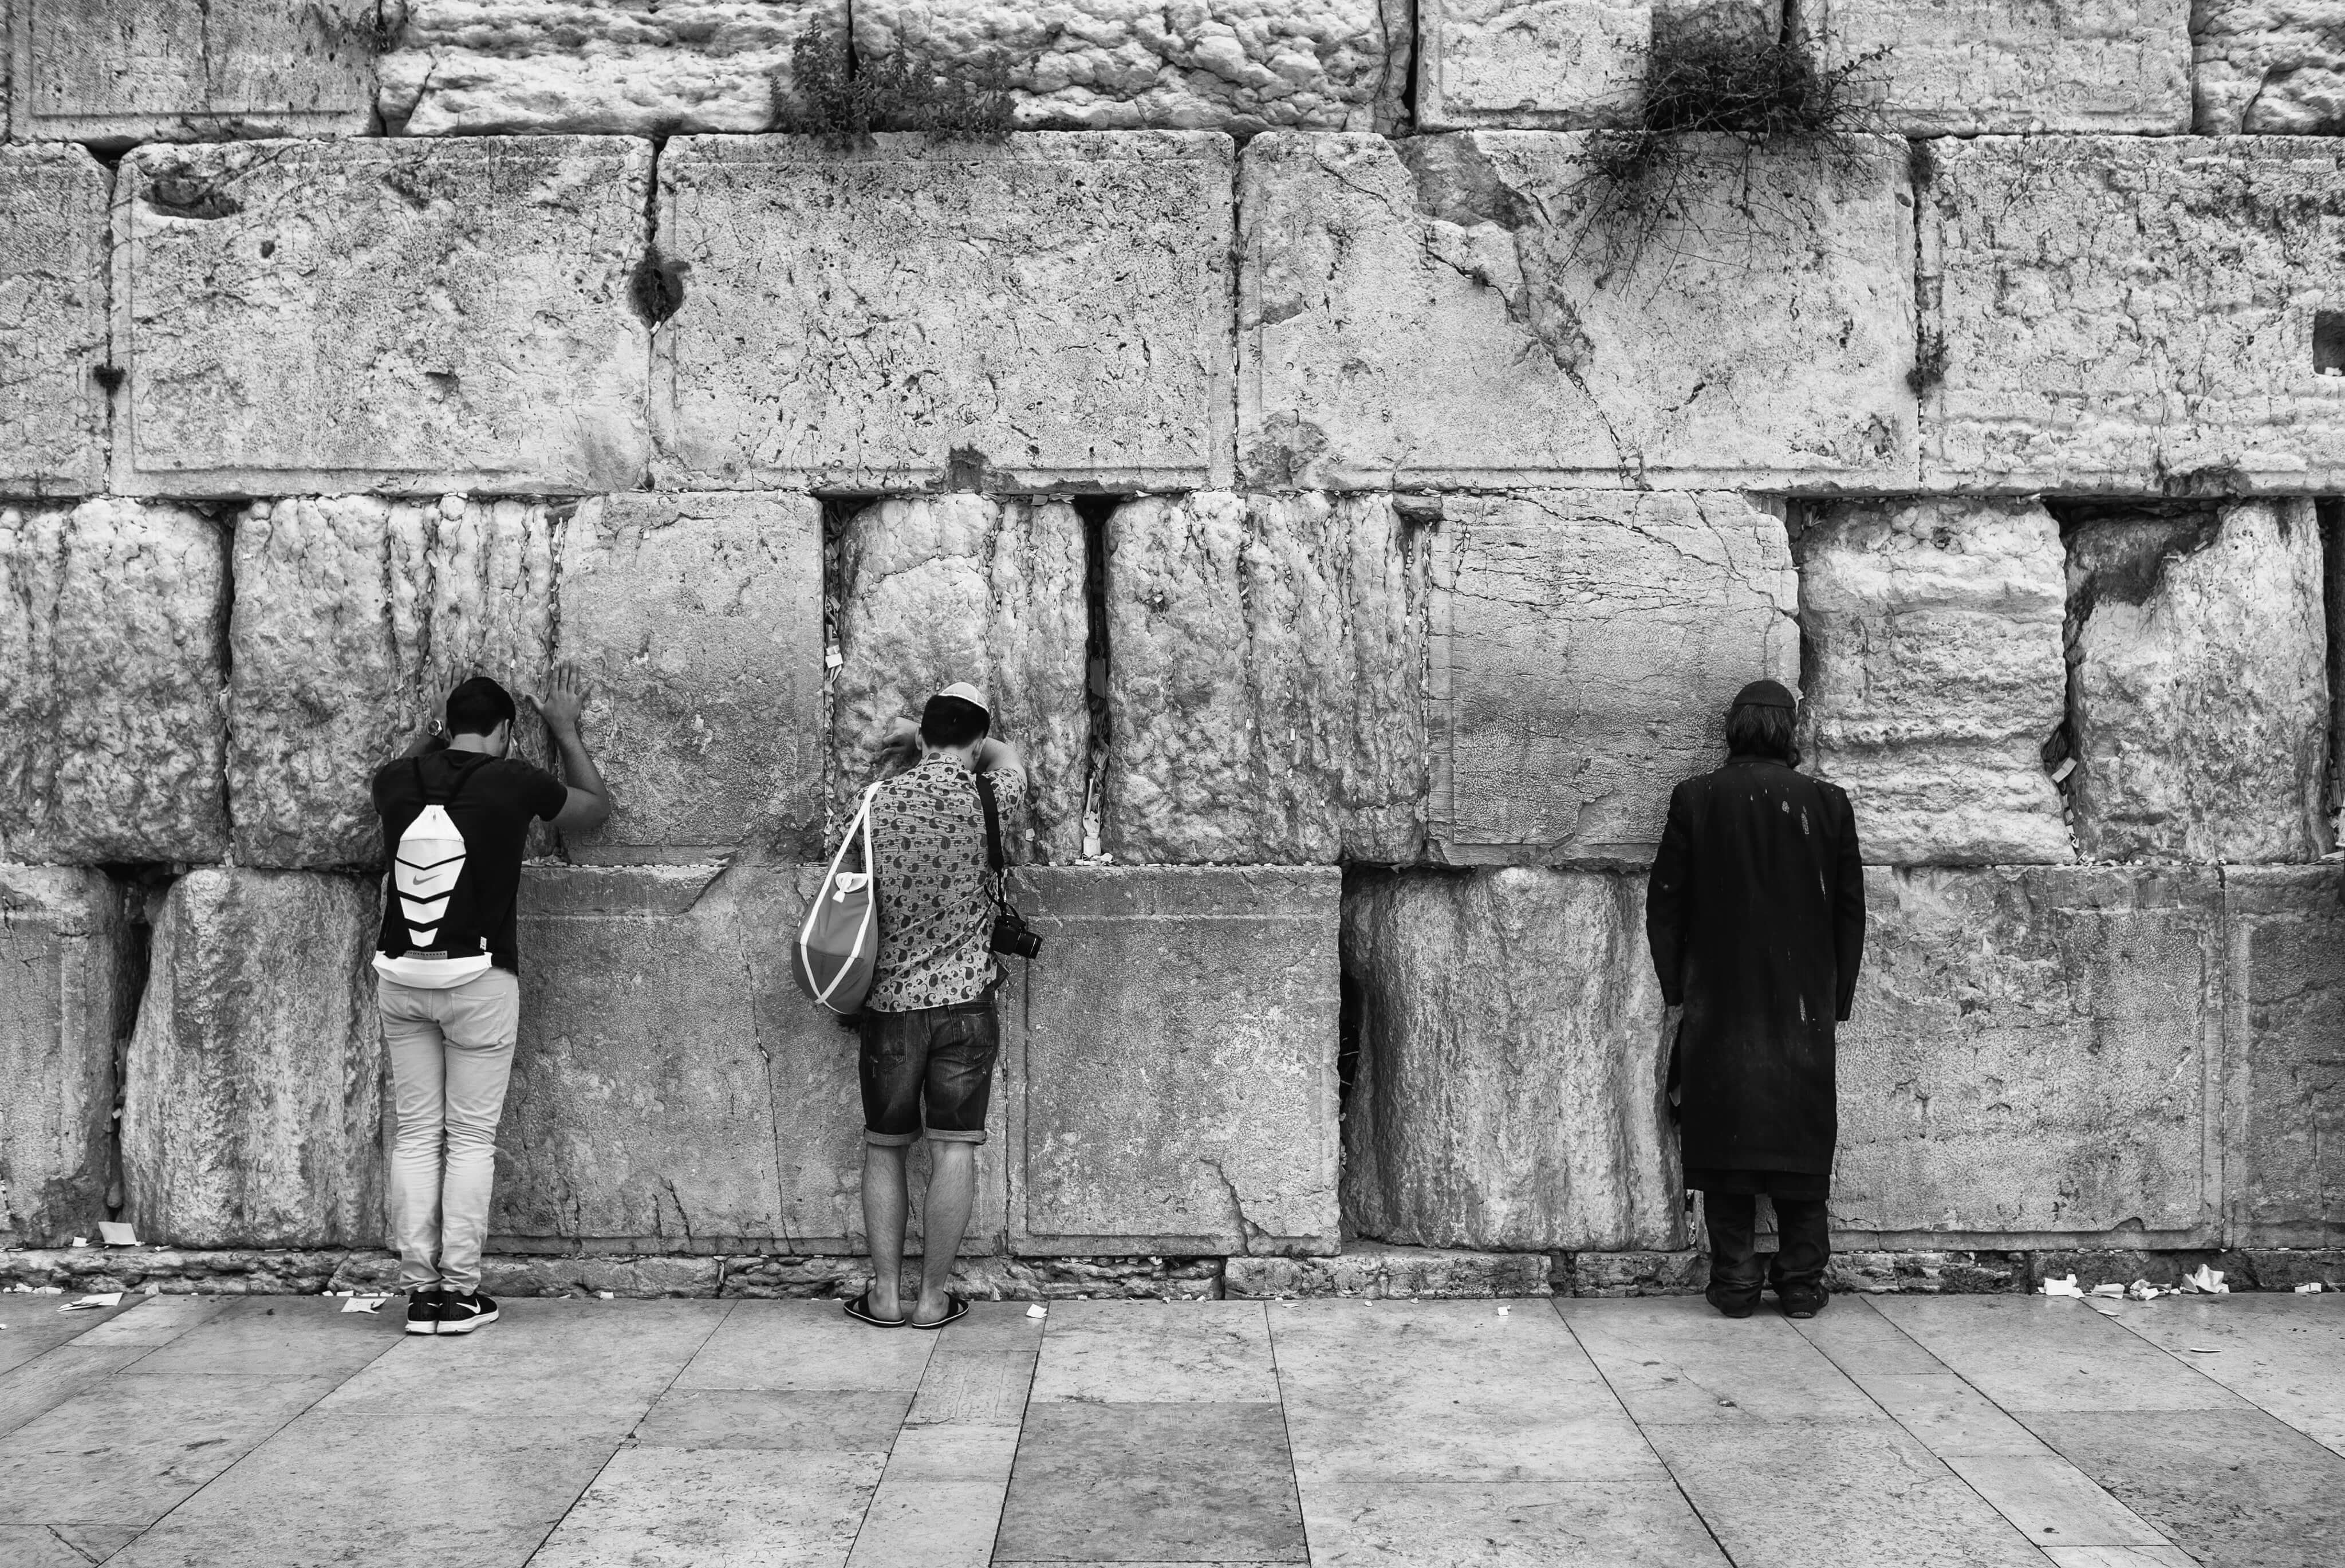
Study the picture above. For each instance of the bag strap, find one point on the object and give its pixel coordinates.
(424, 789)
(993, 855)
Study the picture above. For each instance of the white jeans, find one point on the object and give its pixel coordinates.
(451, 1055)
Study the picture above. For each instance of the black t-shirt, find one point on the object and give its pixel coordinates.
(491, 800)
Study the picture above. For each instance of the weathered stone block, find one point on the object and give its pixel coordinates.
(355, 614)
(1934, 675)
(114, 72)
(475, 68)
(1046, 312)
(1585, 646)
(381, 315)
(1266, 686)
(1960, 67)
(2284, 1116)
(2200, 706)
(2134, 314)
(2030, 1058)
(961, 588)
(1553, 65)
(254, 1094)
(1190, 1108)
(110, 675)
(1371, 1270)
(700, 619)
(2273, 67)
(1496, 309)
(1509, 1092)
(66, 991)
(1238, 65)
(52, 321)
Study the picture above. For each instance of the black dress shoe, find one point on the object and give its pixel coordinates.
(1732, 1306)
(1802, 1302)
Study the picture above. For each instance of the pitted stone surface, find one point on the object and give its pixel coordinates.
(52, 321)
(1046, 312)
(1265, 684)
(962, 587)
(1936, 675)
(2285, 1167)
(1585, 645)
(1239, 65)
(114, 72)
(1974, 65)
(1487, 309)
(355, 614)
(1556, 65)
(1191, 1108)
(111, 728)
(254, 1091)
(699, 620)
(2073, 362)
(2200, 698)
(2031, 1052)
(2272, 67)
(475, 68)
(66, 991)
(1509, 1094)
(381, 315)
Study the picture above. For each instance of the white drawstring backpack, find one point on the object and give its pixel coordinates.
(424, 870)
(838, 941)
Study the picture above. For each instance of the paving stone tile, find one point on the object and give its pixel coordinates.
(99, 1542)
(1179, 1484)
(979, 1374)
(2032, 1353)
(150, 1321)
(43, 1383)
(1125, 1353)
(806, 1345)
(2052, 1501)
(37, 1546)
(704, 1508)
(824, 1421)
(277, 1336)
(1522, 1525)
(31, 1325)
(938, 1523)
(2120, 1557)
(1673, 1361)
(1859, 1340)
(2285, 1354)
(1950, 1417)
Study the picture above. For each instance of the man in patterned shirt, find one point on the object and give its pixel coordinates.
(929, 1029)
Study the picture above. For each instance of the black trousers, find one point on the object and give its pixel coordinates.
(1737, 1270)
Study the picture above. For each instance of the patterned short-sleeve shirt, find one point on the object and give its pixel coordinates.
(936, 915)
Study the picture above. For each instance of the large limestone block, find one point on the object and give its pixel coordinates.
(2273, 67)
(1585, 646)
(52, 321)
(1509, 1086)
(66, 991)
(699, 619)
(355, 615)
(1046, 312)
(2200, 698)
(1551, 65)
(962, 587)
(381, 315)
(111, 730)
(2284, 1114)
(1238, 65)
(2032, 1055)
(1265, 686)
(114, 72)
(642, 67)
(1935, 674)
(1491, 308)
(256, 1084)
(1176, 1088)
(2134, 314)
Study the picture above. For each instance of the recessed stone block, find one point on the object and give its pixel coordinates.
(1518, 309)
(66, 991)
(381, 315)
(1266, 682)
(52, 326)
(2132, 314)
(1047, 312)
(2272, 67)
(1509, 1093)
(699, 619)
(2200, 706)
(1585, 646)
(962, 587)
(2284, 1116)
(476, 67)
(1934, 675)
(110, 677)
(254, 1088)
(355, 615)
(1238, 65)
(2031, 1058)
(1552, 65)
(114, 72)
(1189, 1107)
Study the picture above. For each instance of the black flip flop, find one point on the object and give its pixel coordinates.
(956, 1309)
(860, 1310)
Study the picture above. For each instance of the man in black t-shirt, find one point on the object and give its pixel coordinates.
(456, 812)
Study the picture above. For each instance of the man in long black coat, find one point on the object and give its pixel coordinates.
(1755, 912)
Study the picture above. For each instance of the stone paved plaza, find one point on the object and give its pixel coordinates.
(1958, 1431)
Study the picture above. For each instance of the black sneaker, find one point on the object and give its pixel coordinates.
(423, 1310)
(1733, 1304)
(1801, 1302)
(462, 1314)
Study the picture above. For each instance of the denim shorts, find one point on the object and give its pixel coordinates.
(932, 1066)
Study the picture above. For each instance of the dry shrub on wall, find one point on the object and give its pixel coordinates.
(844, 97)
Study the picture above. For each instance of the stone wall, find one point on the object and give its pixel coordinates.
(1359, 472)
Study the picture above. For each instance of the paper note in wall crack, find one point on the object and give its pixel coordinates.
(114, 1233)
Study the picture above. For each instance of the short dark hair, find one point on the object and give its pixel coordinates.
(1760, 729)
(478, 706)
(951, 721)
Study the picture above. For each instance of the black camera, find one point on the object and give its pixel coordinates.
(1013, 936)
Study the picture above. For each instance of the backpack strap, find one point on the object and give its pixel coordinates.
(993, 855)
(424, 789)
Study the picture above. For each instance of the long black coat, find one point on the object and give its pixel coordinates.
(1755, 911)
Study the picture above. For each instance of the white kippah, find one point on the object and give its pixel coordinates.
(969, 694)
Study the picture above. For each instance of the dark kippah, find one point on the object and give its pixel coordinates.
(1765, 694)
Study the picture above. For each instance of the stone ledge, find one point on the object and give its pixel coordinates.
(1370, 1271)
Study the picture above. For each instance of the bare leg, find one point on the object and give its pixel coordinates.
(883, 1225)
(953, 1191)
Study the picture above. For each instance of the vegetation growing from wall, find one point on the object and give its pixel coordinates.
(844, 97)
